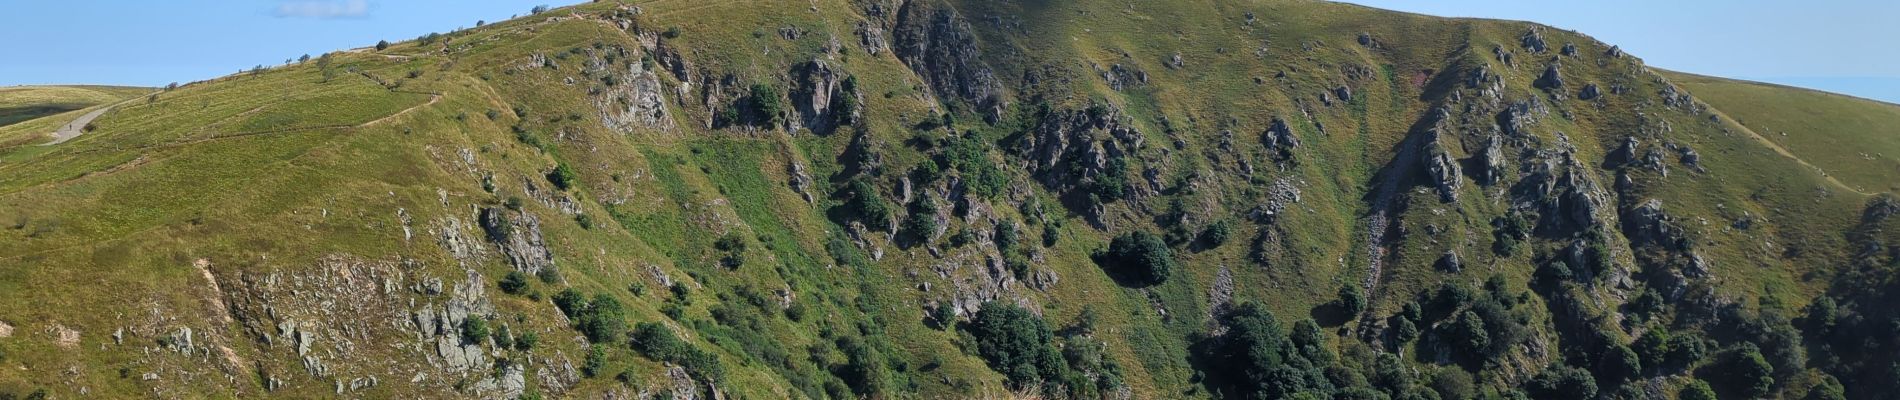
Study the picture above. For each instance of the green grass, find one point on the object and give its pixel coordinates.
(1853, 139)
(23, 103)
(268, 174)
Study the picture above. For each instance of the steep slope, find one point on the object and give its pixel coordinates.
(1849, 137)
(928, 199)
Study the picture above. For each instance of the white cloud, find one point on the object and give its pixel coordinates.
(325, 9)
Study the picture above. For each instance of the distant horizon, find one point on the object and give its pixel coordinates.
(178, 42)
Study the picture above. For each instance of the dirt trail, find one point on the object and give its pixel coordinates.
(78, 126)
(1785, 153)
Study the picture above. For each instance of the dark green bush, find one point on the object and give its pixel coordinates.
(1016, 343)
(563, 176)
(474, 329)
(1142, 258)
(515, 283)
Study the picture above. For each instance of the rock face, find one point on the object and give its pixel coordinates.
(1070, 146)
(819, 94)
(939, 45)
(1533, 40)
(1121, 77)
(1440, 167)
(1589, 92)
(1280, 140)
(1623, 154)
(872, 38)
(1646, 224)
(635, 103)
(1551, 78)
(337, 321)
(1689, 158)
(518, 235)
(801, 180)
(1449, 262)
(1490, 161)
(1443, 170)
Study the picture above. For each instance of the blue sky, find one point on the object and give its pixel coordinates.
(153, 42)
(1846, 46)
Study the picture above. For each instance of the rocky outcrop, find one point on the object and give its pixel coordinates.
(1280, 140)
(819, 94)
(940, 46)
(1624, 154)
(518, 235)
(1589, 92)
(637, 103)
(1688, 157)
(1563, 192)
(1449, 262)
(1550, 79)
(1120, 77)
(1490, 161)
(336, 322)
(1646, 224)
(871, 37)
(1443, 171)
(800, 180)
(1533, 40)
(1068, 147)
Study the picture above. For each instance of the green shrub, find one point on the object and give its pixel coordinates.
(515, 283)
(922, 221)
(1007, 236)
(1112, 183)
(1352, 300)
(526, 341)
(603, 321)
(1253, 349)
(1218, 233)
(1747, 372)
(504, 339)
(596, 362)
(867, 205)
(1563, 382)
(1141, 257)
(474, 329)
(1017, 344)
(734, 246)
(767, 107)
(1697, 390)
(570, 302)
(563, 176)
(659, 343)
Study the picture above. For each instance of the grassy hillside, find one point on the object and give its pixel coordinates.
(930, 199)
(1850, 138)
(22, 103)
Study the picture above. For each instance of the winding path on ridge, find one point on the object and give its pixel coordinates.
(78, 126)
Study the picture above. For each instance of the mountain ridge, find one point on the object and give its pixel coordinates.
(936, 199)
